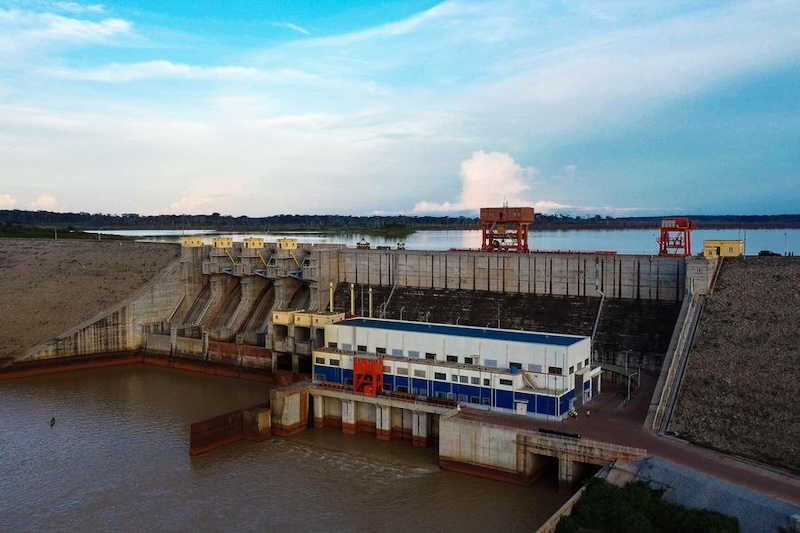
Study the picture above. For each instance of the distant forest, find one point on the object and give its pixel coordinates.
(367, 224)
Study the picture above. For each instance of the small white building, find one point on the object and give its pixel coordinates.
(532, 373)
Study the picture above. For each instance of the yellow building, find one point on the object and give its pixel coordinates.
(723, 248)
(253, 243)
(287, 244)
(192, 242)
(222, 242)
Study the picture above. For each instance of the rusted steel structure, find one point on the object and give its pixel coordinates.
(505, 229)
(675, 238)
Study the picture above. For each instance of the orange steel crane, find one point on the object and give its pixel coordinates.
(505, 229)
(675, 239)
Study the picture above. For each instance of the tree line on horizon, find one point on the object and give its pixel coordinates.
(84, 221)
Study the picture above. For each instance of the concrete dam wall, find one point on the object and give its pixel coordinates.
(219, 305)
(617, 276)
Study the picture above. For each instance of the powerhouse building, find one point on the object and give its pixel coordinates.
(537, 374)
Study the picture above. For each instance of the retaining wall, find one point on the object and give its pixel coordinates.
(617, 276)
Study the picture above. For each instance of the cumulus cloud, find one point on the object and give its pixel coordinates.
(7, 201)
(487, 179)
(44, 202)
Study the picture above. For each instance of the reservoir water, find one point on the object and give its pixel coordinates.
(644, 242)
(117, 459)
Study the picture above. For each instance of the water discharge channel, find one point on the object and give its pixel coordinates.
(117, 458)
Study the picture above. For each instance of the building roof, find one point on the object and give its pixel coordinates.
(553, 339)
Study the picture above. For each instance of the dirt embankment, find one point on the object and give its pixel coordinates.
(49, 286)
(739, 393)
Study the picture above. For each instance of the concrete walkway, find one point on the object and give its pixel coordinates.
(610, 421)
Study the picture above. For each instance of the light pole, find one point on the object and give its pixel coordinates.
(629, 384)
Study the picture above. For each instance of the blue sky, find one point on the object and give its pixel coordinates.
(257, 108)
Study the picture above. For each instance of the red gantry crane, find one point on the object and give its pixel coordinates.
(505, 229)
(675, 239)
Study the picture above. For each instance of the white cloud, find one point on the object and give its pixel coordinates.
(210, 197)
(160, 69)
(7, 201)
(487, 179)
(75, 7)
(293, 27)
(43, 202)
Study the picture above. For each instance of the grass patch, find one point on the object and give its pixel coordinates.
(637, 508)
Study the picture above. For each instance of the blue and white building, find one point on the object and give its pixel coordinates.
(538, 374)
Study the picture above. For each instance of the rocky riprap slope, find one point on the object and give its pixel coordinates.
(49, 286)
(740, 389)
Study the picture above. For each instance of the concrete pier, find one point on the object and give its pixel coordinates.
(509, 453)
(388, 417)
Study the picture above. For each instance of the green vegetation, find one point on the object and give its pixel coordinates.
(390, 226)
(637, 508)
(14, 230)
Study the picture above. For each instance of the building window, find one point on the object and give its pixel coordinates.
(319, 360)
(464, 379)
(491, 362)
(347, 347)
(454, 377)
(506, 382)
(469, 360)
(452, 359)
(554, 370)
(319, 377)
(402, 371)
(387, 369)
(362, 348)
(387, 387)
(486, 401)
(586, 362)
(474, 399)
(402, 388)
(462, 398)
(572, 370)
(533, 367)
(381, 351)
(580, 365)
(399, 352)
(333, 345)
(411, 353)
(431, 356)
(515, 367)
(334, 362)
(476, 381)
(486, 382)
(440, 375)
(420, 373)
